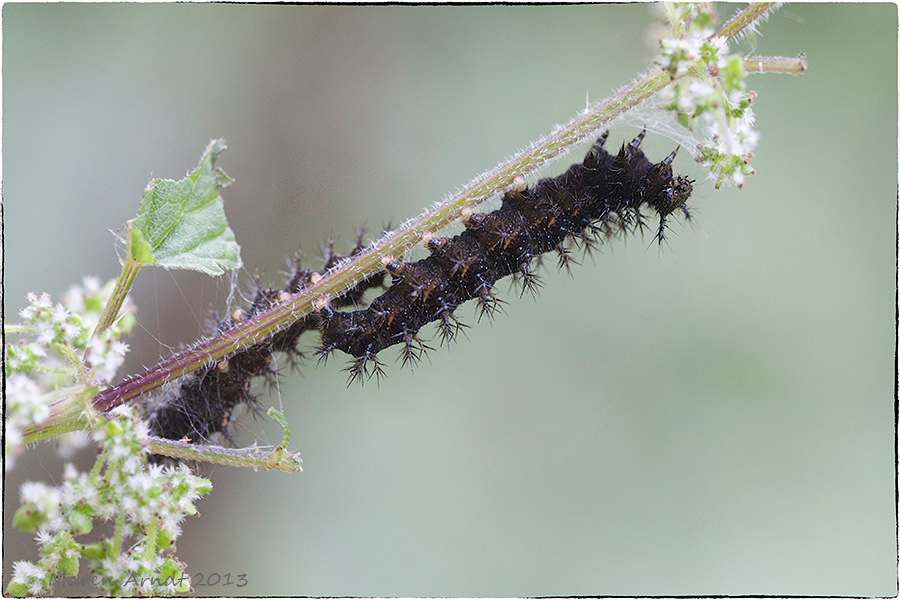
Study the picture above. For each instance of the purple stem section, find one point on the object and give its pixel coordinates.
(236, 338)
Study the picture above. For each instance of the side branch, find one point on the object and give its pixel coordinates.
(775, 64)
(271, 459)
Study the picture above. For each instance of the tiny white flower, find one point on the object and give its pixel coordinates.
(40, 494)
(106, 510)
(750, 140)
(34, 571)
(702, 89)
(157, 472)
(132, 564)
(47, 334)
(20, 571)
(171, 525)
(719, 44)
(140, 482)
(113, 567)
(43, 536)
(141, 431)
(36, 586)
(144, 514)
(91, 284)
(57, 521)
(59, 313)
(70, 443)
(129, 504)
(70, 331)
(70, 472)
(51, 559)
(73, 298)
(131, 464)
(13, 436)
(44, 301)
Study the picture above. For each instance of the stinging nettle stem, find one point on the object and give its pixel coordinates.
(587, 124)
(775, 64)
(745, 19)
(275, 459)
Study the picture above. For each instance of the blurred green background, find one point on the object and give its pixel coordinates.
(717, 418)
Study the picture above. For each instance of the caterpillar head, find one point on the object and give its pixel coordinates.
(672, 195)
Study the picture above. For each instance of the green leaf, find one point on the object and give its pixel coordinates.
(172, 569)
(202, 486)
(163, 541)
(93, 551)
(80, 520)
(69, 566)
(17, 589)
(28, 519)
(181, 224)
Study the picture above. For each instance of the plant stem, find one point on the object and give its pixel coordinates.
(66, 414)
(8, 329)
(744, 19)
(78, 366)
(111, 310)
(587, 124)
(120, 525)
(370, 262)
(276, 459)
(98, 466)
(150, 549)
(775, 64)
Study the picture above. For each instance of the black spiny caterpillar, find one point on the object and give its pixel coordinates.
(594, 200)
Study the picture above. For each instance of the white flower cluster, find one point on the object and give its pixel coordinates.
(45, 364)
(146, 502)
(69, 325)
(25, 404)
(712, 98)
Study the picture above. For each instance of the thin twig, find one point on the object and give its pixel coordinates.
(269, 459)
(775, 64)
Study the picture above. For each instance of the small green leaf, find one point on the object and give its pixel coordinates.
(17, 589)
(93, 551)
(163, 541)
(80, 520)
(181, 224)
(203, 486)
(69, 566)
(28, 519)
(171, 569)
(278, 416)
(189, 508)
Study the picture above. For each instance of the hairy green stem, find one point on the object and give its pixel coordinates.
(150, 550)
(775, 64)
(255, 330)
(66, 414)
(98, 466)
(120, 526)
(275, 459)
(78, 366)
(746, 18)
(111, 310)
